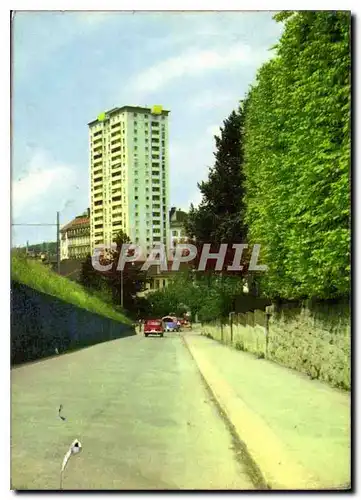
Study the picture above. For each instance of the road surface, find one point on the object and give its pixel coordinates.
(141, 411)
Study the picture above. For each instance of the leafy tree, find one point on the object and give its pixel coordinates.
(132, 277)
(297, 158)
(208, 300)
(89, 277)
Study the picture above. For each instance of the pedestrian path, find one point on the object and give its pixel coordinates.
(297, 430)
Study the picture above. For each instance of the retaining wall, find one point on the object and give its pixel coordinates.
(41, 323)
(315, 341)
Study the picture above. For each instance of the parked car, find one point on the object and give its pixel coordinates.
(153, 327)
(170, 324)
(186, 324)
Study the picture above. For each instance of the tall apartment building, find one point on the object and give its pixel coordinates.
(129, 170)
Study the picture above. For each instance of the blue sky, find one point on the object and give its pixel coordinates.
(68, 67)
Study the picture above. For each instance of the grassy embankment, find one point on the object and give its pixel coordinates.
(41, 278)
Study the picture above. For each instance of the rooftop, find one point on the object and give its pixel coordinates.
(177, 216)
(139, 109)
(79, 221)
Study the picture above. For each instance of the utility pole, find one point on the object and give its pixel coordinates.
(121, 288)
(58, 241)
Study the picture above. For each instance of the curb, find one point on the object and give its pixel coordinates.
(279, 471)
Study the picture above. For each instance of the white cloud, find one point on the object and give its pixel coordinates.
(215, 99)
(213, 130)
(194, 63)
(46, 183)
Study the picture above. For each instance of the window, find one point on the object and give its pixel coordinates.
(155, 124)
(115, 150)
(136, 214)
(116, 198)
(135, 197)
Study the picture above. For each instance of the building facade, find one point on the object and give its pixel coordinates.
(75, 238)
(176, 226)
(129, 176)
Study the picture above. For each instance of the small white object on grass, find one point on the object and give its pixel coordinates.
(74, 449)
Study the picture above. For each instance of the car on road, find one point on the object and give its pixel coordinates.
(186, 324)
(153, 327)
(170, 324)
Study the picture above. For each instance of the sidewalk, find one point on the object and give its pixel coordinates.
(295, 429)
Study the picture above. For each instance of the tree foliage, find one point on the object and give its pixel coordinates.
(207, 297)
(109, 283)
(297, 158)
(219, 217)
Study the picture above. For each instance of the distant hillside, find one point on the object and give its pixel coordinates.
(46, 246)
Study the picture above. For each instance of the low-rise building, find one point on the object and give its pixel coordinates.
(157, 279)
(75, 238)
(176, 225)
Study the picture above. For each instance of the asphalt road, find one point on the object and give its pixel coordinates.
(141, 411)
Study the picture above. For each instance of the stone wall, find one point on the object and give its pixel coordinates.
(315, 340)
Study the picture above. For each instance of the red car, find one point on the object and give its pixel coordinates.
(153, 327)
